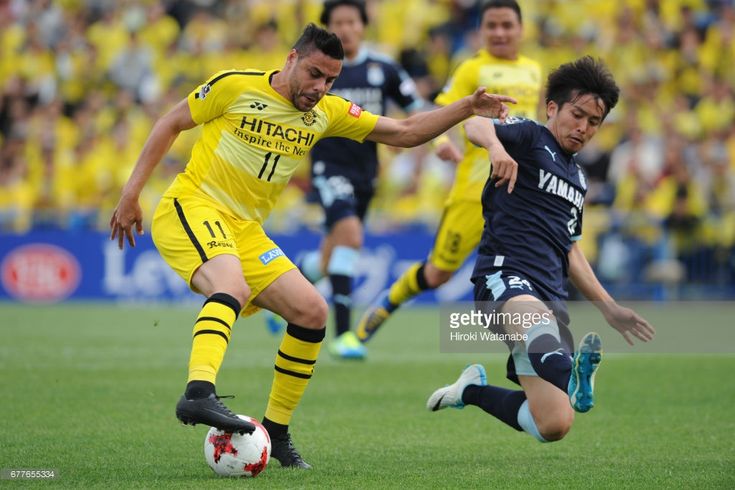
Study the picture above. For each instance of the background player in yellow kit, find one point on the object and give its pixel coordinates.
(499, 66)
(257, 126)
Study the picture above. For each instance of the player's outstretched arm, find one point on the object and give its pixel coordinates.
(128, 213)
(622, 319)
(421, 127)
(481, 132)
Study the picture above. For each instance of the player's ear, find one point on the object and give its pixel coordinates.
(551, 109)
(292, 57)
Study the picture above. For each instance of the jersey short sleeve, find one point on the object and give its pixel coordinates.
(402, 89)
(515, 132)
(347, 119)
(461, 84)
(212, 98)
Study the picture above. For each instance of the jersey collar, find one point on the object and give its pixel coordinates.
(484, 53)
(362, 55)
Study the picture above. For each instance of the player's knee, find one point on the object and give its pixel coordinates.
(317, 314)
(351, 238)
(436, 277)
(555, 426)
(313, 313)
(241, 293)
(353, 241)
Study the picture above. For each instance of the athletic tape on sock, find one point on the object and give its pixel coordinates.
(311, 265)
(343, 261)
(526, 421)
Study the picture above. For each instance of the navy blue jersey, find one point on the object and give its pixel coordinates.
(532, 229)
(370, 80)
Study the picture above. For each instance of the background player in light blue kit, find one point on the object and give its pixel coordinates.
(344, 172)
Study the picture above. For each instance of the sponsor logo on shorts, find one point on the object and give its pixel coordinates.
(355, 110)
(270, 255)
(216, 244)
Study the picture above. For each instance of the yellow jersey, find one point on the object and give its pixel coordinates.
(253, 138)
(520, 79)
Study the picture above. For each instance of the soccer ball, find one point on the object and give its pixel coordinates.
(234, 454)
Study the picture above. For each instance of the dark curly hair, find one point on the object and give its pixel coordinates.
(581, 77)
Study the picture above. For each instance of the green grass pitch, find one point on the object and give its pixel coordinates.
(90, 390)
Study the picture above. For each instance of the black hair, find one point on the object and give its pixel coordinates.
(315, 37)
(499, 4)
(330, 5)
(583, 76)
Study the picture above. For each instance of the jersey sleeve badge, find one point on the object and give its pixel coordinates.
(354, 110)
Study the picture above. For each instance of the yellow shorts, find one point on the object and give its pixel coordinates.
(458, 235)
(188, 231)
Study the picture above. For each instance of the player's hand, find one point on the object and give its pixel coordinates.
(490, 105)
(126, 215)
(447, 151)
(629, 324)
(504, 168)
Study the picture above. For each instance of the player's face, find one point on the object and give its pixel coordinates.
(576, 122)
(346, 23)
(310, 78)
(501, 32)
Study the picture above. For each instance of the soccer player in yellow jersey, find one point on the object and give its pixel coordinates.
(499, 66)
(256, 127)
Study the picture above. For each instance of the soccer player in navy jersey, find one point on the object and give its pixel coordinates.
(532, 207)
(344, 172)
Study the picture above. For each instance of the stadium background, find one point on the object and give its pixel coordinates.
(82, 82)
(89, 387)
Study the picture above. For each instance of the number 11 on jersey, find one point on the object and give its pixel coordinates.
(265, 165)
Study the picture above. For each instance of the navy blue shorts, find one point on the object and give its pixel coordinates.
(340, 197)
(502, 284)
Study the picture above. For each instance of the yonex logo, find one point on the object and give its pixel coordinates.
(258, 105)
(267, 257)
(202, 94)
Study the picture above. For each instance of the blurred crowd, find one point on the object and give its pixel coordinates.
(82, 81)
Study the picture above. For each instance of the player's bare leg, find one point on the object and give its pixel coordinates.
(221, 280)
(550, 415)
(295, 299)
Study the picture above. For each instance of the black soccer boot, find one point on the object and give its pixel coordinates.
(283, 450)
(211, 411)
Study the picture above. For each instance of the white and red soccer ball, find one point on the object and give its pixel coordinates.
(233, 454)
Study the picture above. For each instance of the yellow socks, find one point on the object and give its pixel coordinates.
(211, 336)
(411, 283)
(294, 366)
